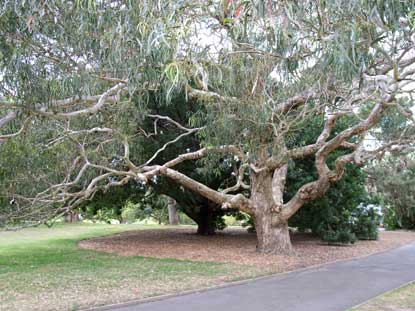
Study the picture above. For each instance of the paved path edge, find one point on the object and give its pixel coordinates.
(140, 301)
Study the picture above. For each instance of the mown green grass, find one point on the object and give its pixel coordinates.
(43, 269)
(401, 299)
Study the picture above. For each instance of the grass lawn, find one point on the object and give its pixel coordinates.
(43, 269)
(401, 299)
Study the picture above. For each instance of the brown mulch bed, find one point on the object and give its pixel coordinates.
(238, 247)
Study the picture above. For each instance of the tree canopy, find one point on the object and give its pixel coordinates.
(77, 77)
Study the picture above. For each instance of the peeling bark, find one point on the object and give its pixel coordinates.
(273, 237)
(271, 229)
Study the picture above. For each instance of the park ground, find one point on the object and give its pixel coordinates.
(401, 299)
(69, 267)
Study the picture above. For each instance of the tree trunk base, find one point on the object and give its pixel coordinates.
(205, 229)
(206, 221)
(274, 239)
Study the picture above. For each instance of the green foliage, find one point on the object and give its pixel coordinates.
(185, 220)
(366, 221)
(27, 166)
(332, 216)
(105, 215)
(393, 180)
(334, 226)
(390, 219)
(59, 49)
(131, 212)
(157, 206)
(337, 234)
(349, 226)
(345, 36)
(127, 204)
(394, 124)
(336, 217)
(246, 221)
(109, 205)
(219, 221)
(211, 173)
(110, 39)
(231, 220)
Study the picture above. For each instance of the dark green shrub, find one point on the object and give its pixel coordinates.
(366, 224)
(336, 229)
(393, 181)
(390, 219)
(341, 236)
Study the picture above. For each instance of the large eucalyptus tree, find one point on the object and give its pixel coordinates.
(81, 72)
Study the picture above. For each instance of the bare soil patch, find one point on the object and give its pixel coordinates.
(238, 247)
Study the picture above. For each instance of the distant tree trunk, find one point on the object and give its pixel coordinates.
(72, 216)
(173, 215)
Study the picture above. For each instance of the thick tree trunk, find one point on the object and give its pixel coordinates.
(271, 229)
(173, 215)
(204, 217)
(205, 227)
(272, 237)
(206, 221)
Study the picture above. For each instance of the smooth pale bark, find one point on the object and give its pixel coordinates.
(278, 184)
(173, 215)
(271, 229)
(273, 236)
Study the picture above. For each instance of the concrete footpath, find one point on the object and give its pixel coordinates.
(335, 286)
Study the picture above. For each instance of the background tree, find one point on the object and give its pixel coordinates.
(204, 212)
(261, 70)
(158, 132)
(393, 180)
